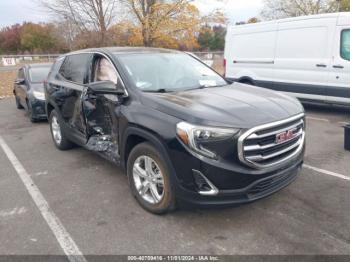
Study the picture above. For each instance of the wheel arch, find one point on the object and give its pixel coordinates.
(246, 80)
(49, 109)
(136, 135)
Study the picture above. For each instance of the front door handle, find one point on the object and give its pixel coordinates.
(321, 65)
(338, 66)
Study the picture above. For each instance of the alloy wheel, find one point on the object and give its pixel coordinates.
(56, 130)
(148, 179)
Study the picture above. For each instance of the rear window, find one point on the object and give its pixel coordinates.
(74, 68)
(38, 74)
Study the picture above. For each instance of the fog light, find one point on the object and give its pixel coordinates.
(205, 187)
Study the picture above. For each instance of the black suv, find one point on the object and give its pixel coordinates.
(184, 135)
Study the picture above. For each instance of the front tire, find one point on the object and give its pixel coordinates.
(149, 179)
(59, 138)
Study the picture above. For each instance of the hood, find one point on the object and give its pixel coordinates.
(236, 105)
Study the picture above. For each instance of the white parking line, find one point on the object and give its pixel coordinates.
(325, 120)
(326, 172)
(64, 239)
(317, 119)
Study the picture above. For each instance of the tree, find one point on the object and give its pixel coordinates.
(87, 15)
(344, 6)
(216, 17)
(180, 30)
(218, 42)
(253, 20)
(10, 39)
(65, 33)
(37, 37)
(212, 38)
(125, 33)
(158, 16)
(205, 37)
(274, 9)
(176, 32)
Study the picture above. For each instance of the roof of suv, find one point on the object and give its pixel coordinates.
(124, 50)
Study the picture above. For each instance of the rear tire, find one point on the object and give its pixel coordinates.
(150, 186)
(58, 137)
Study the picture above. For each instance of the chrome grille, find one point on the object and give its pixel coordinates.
(259, 148)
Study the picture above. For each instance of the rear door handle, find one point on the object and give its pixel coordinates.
(338, 66)
(321, 65)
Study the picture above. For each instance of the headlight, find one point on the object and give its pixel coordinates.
(195, 136)
(39, 95)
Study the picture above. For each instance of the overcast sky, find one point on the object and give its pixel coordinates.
(17, 11)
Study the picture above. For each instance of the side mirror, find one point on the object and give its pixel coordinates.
(107, 88)
(20, 81)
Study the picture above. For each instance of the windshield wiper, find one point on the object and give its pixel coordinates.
(160, 90)
(204, 87)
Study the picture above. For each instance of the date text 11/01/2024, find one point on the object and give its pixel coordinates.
(173, 258)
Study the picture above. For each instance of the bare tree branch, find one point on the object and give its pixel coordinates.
(87, 15)
(275, 9)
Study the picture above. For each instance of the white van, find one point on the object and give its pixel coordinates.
(308, 57)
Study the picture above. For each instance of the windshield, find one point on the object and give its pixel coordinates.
(38, 74)
(168, 72)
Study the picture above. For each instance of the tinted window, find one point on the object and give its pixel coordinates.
(169, 71)
(56, 66)
(345, 45)
(74, 67)
(38, 74)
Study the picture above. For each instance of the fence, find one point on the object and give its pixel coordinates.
(8, 61)
(213, 59)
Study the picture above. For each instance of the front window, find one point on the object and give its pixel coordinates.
(169, 72)
(105, 71)
(38, 74)
(345, 45)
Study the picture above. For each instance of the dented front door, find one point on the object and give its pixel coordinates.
(101, 124)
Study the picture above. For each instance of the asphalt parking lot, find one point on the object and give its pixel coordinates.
(91, 199)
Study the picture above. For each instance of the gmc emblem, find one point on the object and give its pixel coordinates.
(285, 136)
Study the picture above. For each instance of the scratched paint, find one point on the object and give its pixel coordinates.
(105, 146)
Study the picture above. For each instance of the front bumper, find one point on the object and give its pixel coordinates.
(234, 182)
(260, 188)
(38, 109)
